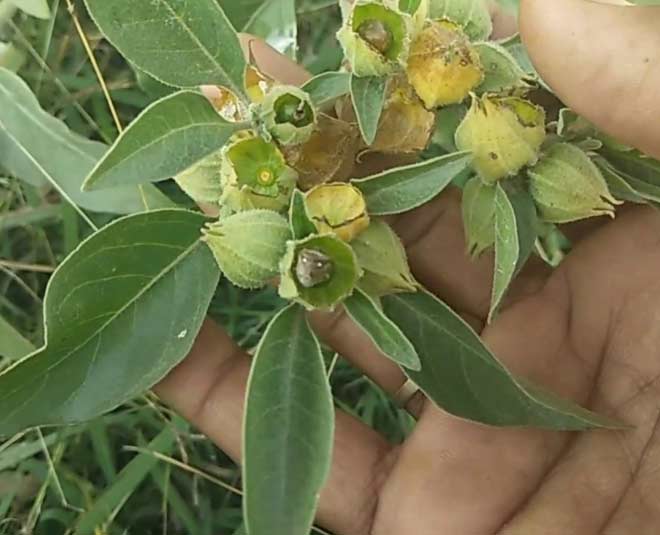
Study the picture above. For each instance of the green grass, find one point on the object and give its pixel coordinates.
(140, 470)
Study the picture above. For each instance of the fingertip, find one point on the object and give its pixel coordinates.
(271, 62)
(601, 60)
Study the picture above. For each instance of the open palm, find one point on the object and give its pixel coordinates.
(590, 330)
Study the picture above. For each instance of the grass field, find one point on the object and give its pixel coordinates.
(140, 470)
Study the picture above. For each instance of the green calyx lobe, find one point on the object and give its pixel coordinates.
(382, 28)
(318, 272)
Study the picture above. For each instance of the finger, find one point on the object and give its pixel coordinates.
(505, 22)
(208, 389)
(603, 61)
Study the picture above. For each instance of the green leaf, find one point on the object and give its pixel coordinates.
(239, 13)
(120, 312)
(13, 345)
(646, 2)
(180, 43)
(132, 475)
(447, 122)
(166, 139)
(472, 15)
(516, 230)
(368, 94)
(288, 429)
(640, 172)
(383, 260)
(409, 6)
(617, 183)
(300, 223)
(404, 188)
(275, 21)
(501, 70)
(327, 87)
(515, 47)
(461, 376)
(41, 150)
(382, 331)
(36, 8)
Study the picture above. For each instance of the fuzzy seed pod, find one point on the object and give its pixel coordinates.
(337, 208)
(443, 66)
(567, 186)
(375, 38)
(319, 272)
(288, 115)
(255, 175)
(249, 246)
(479, 215)
(503, 133)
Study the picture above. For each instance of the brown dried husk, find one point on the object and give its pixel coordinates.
(328, 156)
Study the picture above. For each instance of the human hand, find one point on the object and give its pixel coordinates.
(589, 330)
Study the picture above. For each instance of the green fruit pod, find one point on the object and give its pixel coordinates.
(567, 186)
(375, 38)
(288, 115)
(479, 215)
(255, 175)
(248, 246)
(504, 134)
(319, 272)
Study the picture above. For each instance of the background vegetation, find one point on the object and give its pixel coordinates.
(140, 470)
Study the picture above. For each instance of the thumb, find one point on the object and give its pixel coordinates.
(603, 61)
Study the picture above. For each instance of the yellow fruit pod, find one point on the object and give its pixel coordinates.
(288, 114)
(375, 38)
(383, 260)
(328, 155)
(202, 181)
(503, 133)
(478, 206)
(568, 186)
(405, 124)
(443, 66)
(249, 246)
(255, 174)
(338, 209)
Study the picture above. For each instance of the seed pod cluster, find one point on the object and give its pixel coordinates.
(440, 92)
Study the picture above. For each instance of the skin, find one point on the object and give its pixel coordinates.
(590, 330)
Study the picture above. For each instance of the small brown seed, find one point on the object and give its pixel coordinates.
(313, 268)
(376, 34)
